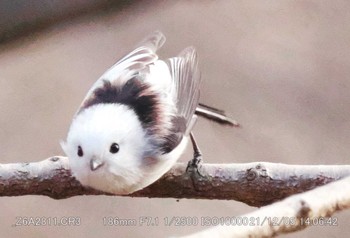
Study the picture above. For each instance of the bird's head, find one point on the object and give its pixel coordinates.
(105, 146)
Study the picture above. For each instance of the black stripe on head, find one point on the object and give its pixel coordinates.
(134, 93)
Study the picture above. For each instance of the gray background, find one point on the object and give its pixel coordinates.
(278, 67)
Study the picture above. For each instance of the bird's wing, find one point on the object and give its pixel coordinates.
(135, 81)
(186, 82)
(125, 69)
(186, 77)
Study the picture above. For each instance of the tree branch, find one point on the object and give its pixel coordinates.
(255, 184)
(312, 208)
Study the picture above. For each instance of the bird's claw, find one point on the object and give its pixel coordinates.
(194, 165)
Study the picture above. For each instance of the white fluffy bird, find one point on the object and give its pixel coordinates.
(136, 119)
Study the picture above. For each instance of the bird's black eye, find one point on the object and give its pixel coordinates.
(114, 148)
(80, 151)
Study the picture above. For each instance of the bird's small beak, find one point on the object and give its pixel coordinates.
(95, 163)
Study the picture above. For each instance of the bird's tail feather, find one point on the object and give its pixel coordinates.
(215, 115)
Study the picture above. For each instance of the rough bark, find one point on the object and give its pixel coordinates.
(312, 208)
(256, 184)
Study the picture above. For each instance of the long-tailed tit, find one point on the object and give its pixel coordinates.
(135, 121)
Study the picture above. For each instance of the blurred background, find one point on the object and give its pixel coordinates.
(278, 67)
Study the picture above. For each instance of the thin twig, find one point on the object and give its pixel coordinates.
(312, 208)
